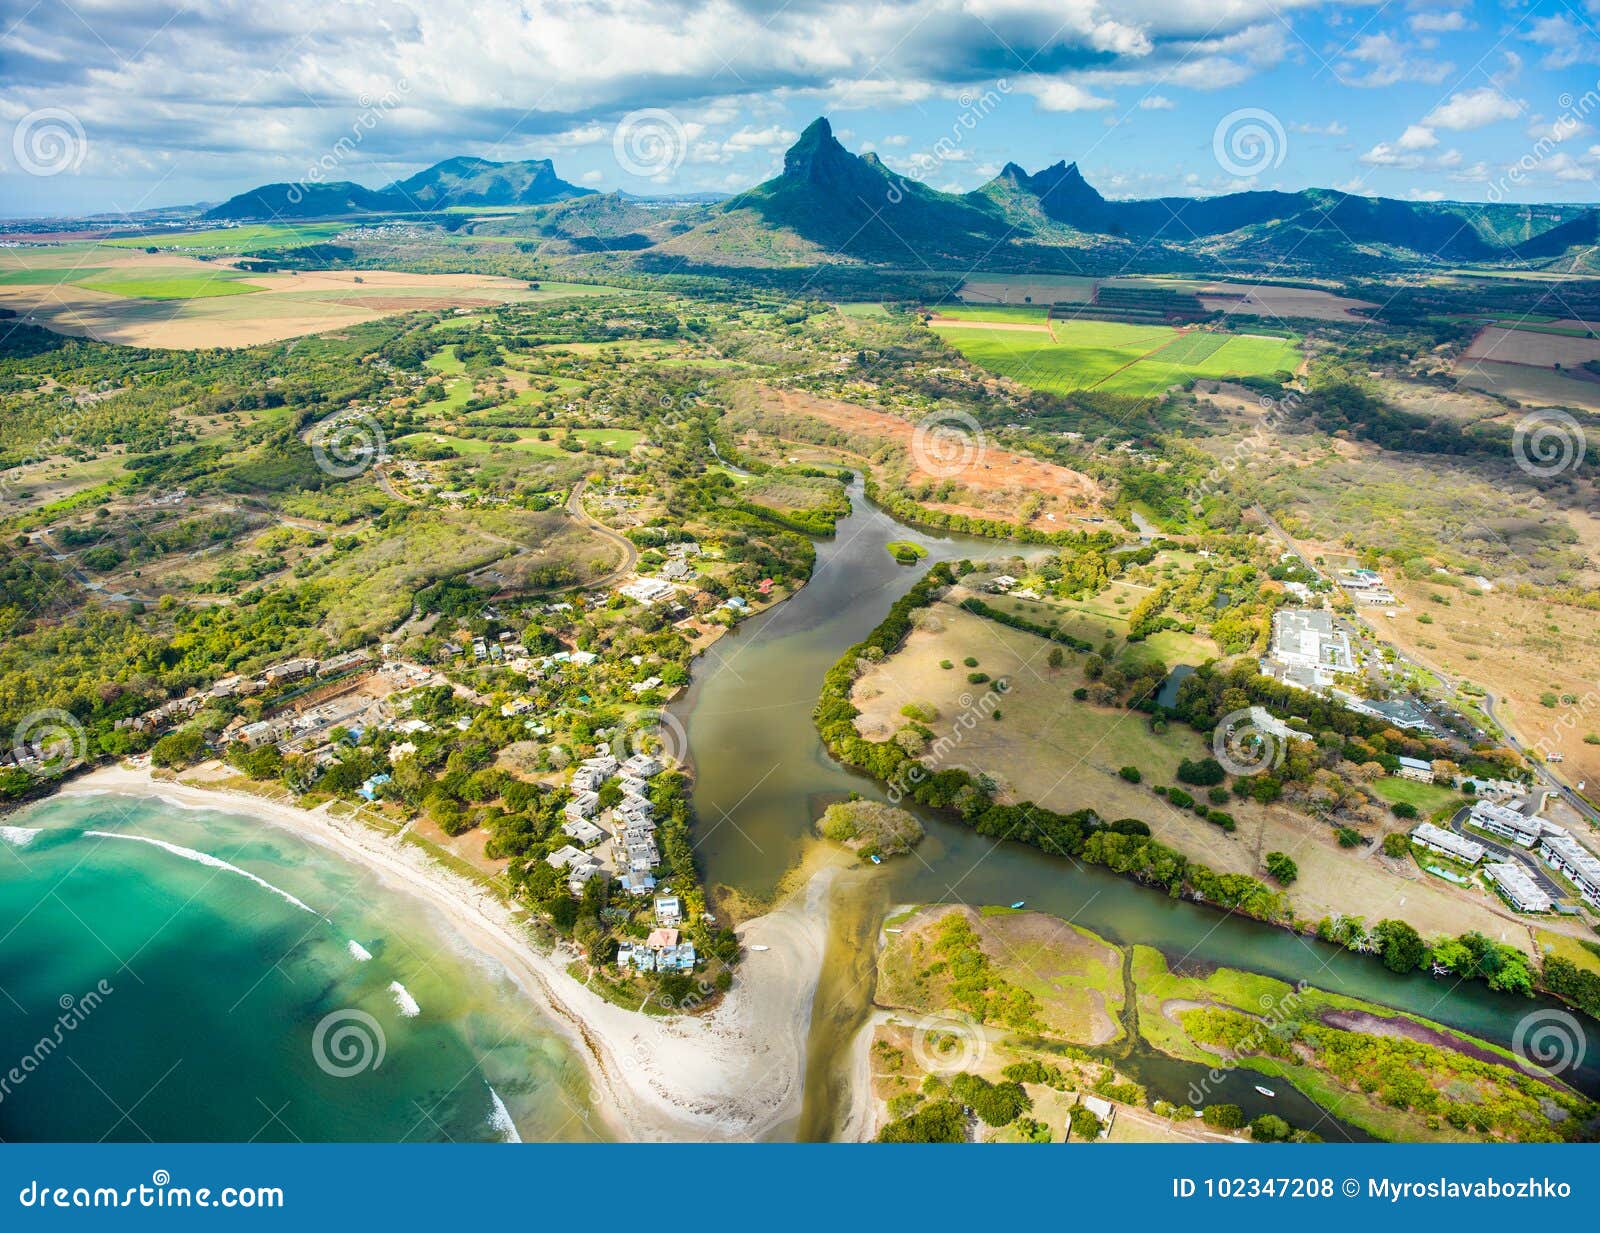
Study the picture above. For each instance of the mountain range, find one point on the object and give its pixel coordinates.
(454, 182)
(829, 205)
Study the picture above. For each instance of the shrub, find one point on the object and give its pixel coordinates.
(1202, 772)
(1397, 844)
(1282, 867)
(1403, 809)
(1131, 773)
(1223, 1117)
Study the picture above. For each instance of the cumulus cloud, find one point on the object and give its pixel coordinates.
(1416, 137)
(1434, 21)
(1155, 102)
(1378, 60)
(1470, 109)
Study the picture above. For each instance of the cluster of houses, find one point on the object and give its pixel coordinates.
(662, 951)
(630, 825)
(1366, 586)
(287, 672)
(1554, 844)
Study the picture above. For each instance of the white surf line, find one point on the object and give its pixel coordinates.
(213, 862)
(357, 951)
(500, 1118)
(20, 836)
(403, 999)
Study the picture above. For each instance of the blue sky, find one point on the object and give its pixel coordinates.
(119, 105)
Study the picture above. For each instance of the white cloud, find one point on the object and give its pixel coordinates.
(1472, 109)
(1416, 137)
(1060, 95)
(1436, 22)
(1385, 155)
(773, 137)
(1564, 41)
(1378, 60)
(1424, 194)
(1331, 129)
(590, 177)
(1155, 102)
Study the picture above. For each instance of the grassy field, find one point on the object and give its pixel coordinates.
(180, 287)
(1137, 360)
(1429, 798)
(863, 308)
(247, 239)
(1074, 975)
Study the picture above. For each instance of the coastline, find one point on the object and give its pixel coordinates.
(735, 1073)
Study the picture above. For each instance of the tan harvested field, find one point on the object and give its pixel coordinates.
(1002, 477)
(1508, 346)
(1065, 754)
(1025, 326)
(1519, 650)
(1529, 385)
(1028, 289)
(1268, 301)
(268, 307)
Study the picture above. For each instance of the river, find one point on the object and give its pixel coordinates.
(762, 777)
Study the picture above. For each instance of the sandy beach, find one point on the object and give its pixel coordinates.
(734, 1073)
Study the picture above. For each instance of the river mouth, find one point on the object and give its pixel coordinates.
(762, 776)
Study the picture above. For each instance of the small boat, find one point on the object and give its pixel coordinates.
(876, 859)
(1018, 904)
(761, 948)
(1265, 1091)
(894, 930)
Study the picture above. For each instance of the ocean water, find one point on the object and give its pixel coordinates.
(169, 973)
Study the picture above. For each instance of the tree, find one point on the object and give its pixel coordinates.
(1397, 845)
(1269, 1128)
(1131, 773)
(179, 749)
(1403, 809)
(1223, 1117)
(1399, 946)
(1282, 867)
(1085, 1124)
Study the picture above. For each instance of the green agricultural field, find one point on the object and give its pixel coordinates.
(49, 276)
(237, 239)
(176, 287)
(863, 308)
(1137, 360)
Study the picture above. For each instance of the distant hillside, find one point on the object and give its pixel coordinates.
(455, 181)
(478, 182)
(831, 205)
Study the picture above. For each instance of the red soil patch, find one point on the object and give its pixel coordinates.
(990, 469)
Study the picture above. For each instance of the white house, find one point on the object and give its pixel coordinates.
(1518, 887)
